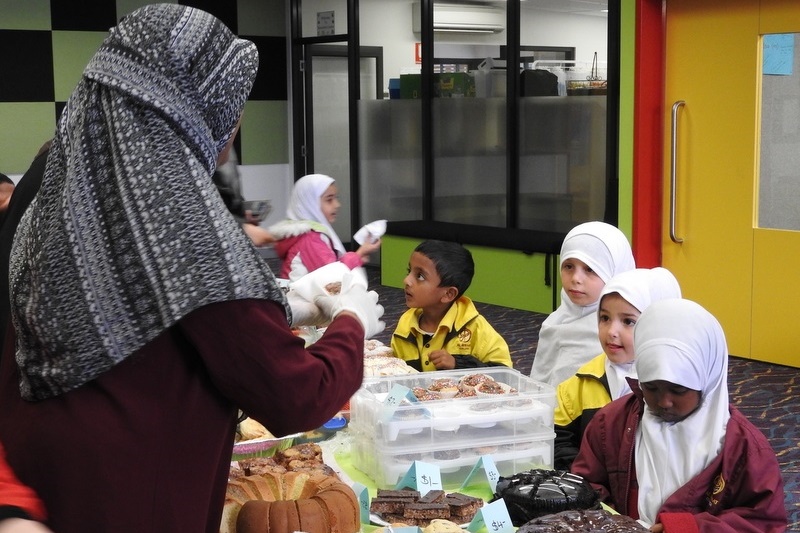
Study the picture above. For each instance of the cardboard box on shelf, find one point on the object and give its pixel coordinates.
(447, 85)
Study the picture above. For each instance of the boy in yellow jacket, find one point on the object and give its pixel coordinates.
(442, 329)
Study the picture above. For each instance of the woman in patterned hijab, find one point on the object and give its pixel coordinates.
(143, 315)
(157, 104)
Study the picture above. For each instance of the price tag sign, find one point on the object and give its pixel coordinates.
(485, 463)
(422, 477)
(362, 494)
(394, 399)
(407, 529)
(494, 517)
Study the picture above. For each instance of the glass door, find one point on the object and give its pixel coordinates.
(327, 116)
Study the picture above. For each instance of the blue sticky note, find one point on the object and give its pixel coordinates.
(407, 529)
(362, 495)
(485, 463)
(778, 54)
(494, 516)
(422, 477)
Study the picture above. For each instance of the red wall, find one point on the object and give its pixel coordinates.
(648, 124)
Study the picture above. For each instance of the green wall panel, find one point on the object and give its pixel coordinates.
(265, 137)
(502, 277)
(35, 122)
(72, 50)
(626, 109)
(24, 15)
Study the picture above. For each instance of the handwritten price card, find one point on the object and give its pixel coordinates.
(494, 517)
(394, 399)
(362, 494)
(485, 463)
(422, 477)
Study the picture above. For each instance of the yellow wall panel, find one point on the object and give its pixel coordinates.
(780, 16)
(774, 320)
(706, 43)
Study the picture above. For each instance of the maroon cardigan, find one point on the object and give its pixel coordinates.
(741, 490)
(147, 445)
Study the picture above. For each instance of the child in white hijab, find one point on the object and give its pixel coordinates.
(306, 239)
(603, 379)
(591, 254)
(676, 454)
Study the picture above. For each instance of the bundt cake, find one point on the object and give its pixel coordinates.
(331, 510)
(287, 502)
(536, 493)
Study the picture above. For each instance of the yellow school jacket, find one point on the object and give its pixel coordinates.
(463, 332)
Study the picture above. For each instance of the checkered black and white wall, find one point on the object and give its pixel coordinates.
(45, 44)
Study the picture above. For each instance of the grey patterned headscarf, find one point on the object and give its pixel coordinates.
(128, 233)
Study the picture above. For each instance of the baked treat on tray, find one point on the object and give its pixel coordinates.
(292, 491)
(379, 360)
(535, 493)
(294, 501)
(598, 520)
(408, 507)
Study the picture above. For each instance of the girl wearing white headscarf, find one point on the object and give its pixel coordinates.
(675, 454)
(603, 379)
(568, 337)
(144, 318)
(306, 239)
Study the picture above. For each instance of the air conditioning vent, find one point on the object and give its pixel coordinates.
(462, 18)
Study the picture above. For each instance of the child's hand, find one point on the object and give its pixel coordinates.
(368, 248)
(442, 360)
(20, 525)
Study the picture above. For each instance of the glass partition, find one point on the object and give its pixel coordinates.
(779, 186)
(390, 148)
(562, 161)
(560, 172)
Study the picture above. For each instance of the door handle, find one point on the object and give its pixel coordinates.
(673, 172)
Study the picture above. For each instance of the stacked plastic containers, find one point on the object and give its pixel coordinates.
(510, 420)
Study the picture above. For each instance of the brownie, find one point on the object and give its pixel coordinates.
(384, 505)
(398, 493)
(427, 510)
(433, 496)
(463, 506)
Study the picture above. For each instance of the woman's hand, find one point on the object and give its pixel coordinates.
(657, 528)
(258, 235)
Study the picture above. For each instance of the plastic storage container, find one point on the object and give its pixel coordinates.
(515, 427)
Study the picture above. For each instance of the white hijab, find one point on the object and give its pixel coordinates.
(305, 204)
(640, 288)
(568, 337)
(680, 342)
